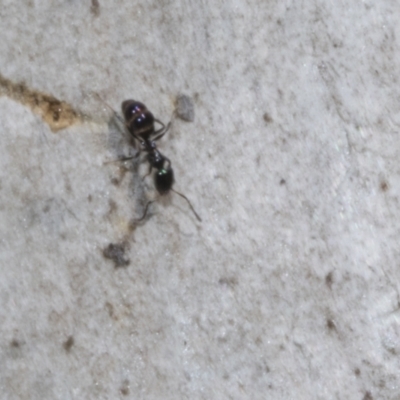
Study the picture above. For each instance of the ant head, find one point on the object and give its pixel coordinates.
(163, 180)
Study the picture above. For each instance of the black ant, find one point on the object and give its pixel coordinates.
(139, 122)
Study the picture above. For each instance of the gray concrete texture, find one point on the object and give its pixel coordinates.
(288, 289)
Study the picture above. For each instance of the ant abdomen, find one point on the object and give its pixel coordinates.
(132, 107)
(139, 120)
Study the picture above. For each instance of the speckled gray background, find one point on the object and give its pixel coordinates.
(289, 288)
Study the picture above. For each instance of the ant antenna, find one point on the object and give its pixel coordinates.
(190, 204)
(145, 212)
(180, 194)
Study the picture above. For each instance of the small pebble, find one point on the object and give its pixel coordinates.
(185, 108)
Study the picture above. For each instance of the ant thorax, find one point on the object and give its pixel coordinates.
(156, 159)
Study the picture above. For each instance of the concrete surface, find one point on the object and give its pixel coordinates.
(288, 289)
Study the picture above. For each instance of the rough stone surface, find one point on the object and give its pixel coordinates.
(288, 289)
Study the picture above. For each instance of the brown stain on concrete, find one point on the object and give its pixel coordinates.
(56, 113)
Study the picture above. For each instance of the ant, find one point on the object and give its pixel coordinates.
(139, 122)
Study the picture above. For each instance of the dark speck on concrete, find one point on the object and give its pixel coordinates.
(116, 253)
(69, 343)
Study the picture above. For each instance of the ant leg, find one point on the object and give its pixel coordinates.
(159, 122)
(190, 204)
(145, 212)
(122, 159)
(116, 115)
(161, 132)
(168, 161)
(120, 119)
(150, 169)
